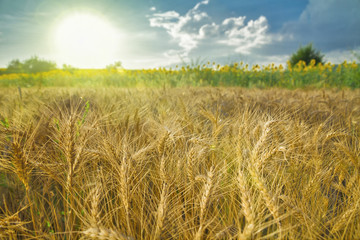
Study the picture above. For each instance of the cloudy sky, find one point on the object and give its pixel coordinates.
(153, 33)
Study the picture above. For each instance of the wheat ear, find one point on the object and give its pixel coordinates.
(124, 189)
(161, 212)
(95, 201)
(204, 202)
(104, 234)
(246, 204)
(23, 170)
(268, 197)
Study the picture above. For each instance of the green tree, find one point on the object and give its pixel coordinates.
(15, 66)
(115, 66)
(306, 54)
(68, 68)
(34, 65)
(31, 65)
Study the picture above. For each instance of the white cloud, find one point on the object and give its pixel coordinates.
(195, 28)
(239, 21)
(244, 38)
(153, 9)
(199, 16)
(199, 4)
(338, 56)
(209, 31)
(181, 28)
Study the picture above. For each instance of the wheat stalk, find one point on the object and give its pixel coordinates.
(70, 151)
(204, 202)
(124, 189)
(23, 170)
(345, 218)
(269, 198)
(21, 164)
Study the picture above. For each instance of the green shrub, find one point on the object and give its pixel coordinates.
(306, 54)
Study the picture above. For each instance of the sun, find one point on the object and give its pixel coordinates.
(86, 39)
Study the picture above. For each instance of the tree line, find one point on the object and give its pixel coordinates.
(35, 64)
(31, 65)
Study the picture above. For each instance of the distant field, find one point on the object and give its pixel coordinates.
(345, 75)
(179, 163)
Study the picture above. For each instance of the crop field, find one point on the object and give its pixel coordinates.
(328, 75)
(179, 163)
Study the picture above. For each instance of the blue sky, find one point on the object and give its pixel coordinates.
(153, 33)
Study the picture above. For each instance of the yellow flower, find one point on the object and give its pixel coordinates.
(312, 62)
(354, 65)
(338, 69)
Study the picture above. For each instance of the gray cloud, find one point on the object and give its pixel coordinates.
(329, 24)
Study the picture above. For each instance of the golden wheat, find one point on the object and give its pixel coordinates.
(204, 163)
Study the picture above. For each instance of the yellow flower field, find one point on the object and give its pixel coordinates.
(328, 75)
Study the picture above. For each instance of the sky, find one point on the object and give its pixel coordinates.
(163, 33)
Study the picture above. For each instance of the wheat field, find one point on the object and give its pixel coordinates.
(182, 163)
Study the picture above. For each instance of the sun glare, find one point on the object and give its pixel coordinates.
(86, 39)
